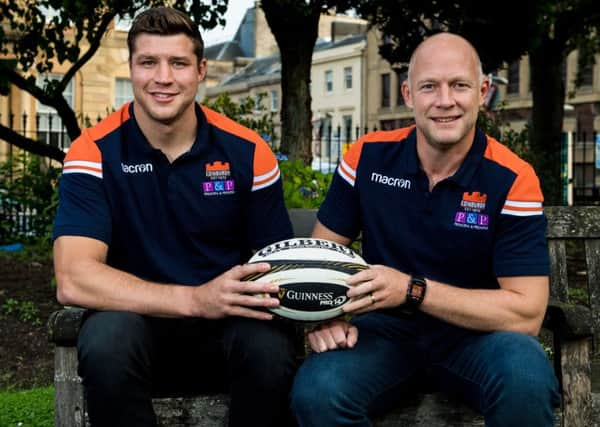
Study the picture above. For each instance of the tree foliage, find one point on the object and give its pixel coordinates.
(546, 30)
(36, 35)
(249, 111)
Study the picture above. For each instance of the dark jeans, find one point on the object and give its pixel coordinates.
(126, 358)
(505, 376)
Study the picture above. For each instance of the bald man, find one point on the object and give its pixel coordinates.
(454, 232)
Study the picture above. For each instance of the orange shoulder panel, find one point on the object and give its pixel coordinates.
(352, 156)
(110, 123)
(264, 159)
(527, 185)
(83, 149)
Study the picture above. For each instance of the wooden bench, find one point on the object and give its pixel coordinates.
(571, 326)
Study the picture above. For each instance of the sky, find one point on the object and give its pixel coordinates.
(233, 17)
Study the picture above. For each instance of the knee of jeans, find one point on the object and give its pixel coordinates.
(109, 343)
(524, 374)
(320, 394)
(263, 350)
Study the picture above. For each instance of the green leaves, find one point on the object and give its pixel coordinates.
(303, 187)
(25, 311)
(27, 408)
(248, 111)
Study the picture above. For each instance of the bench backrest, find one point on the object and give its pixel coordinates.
(574, 242)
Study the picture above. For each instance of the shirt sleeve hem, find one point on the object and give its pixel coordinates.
(75, 231)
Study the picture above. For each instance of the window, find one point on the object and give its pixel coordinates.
(513, 78)
(258, 105)
(587, 75)
(348, 78)
(274, 100)
(49, 125)
(123, 92)
(400, 77)
(347, 136)
(385, 90)
(328, 81)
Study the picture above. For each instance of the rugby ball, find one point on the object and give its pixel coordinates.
(311, 276)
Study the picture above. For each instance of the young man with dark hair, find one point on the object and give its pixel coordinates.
(160, 204)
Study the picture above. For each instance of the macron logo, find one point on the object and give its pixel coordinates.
(391, 181)
(140, 168)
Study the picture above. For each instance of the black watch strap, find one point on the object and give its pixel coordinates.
(415, 292)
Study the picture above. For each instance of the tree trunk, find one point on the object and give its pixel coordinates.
(548, 92)
(294, 23)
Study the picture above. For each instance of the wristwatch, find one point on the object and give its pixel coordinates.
(415, 292)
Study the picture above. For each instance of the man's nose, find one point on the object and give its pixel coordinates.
(445, 97)
(164, 73)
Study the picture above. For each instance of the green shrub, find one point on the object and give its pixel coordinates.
(303, 187)
(29, 408)
(27, 182)
(25, 311)
(494, 125)
(249, 112)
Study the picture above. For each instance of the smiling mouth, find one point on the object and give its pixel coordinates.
(445, 119)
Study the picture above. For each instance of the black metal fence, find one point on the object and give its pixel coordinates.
(44, 127)
(331, 143)
(581, 160)
(20, 216)
(16, 219)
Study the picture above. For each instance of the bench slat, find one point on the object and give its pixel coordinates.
(558, 270)
(570, 222)
(592, 250)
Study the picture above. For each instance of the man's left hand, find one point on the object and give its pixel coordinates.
(377, 287)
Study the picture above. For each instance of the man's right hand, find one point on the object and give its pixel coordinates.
(228, 295)
(336, 334)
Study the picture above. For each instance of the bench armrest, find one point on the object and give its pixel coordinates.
(568, 321)
(63, 326)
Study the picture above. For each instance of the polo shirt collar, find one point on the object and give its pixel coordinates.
(466, 170)
(202, 139)
(138, 138)
(469, 166)
(411, 160)
(197, 148)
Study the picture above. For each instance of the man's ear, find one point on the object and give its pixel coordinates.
(406, 94)
(202, 68)
(485, 87)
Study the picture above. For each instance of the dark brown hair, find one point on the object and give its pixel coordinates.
(165, 21)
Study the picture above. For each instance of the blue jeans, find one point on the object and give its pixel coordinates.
(505, 376)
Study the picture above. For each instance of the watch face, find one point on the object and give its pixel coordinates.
(416, 290)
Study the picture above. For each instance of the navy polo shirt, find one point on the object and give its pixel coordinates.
(183, 222)
(485, 221)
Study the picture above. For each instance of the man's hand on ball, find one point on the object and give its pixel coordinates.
(376, 287)
(229, 295)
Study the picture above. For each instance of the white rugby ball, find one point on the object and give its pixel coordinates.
(311, 276)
